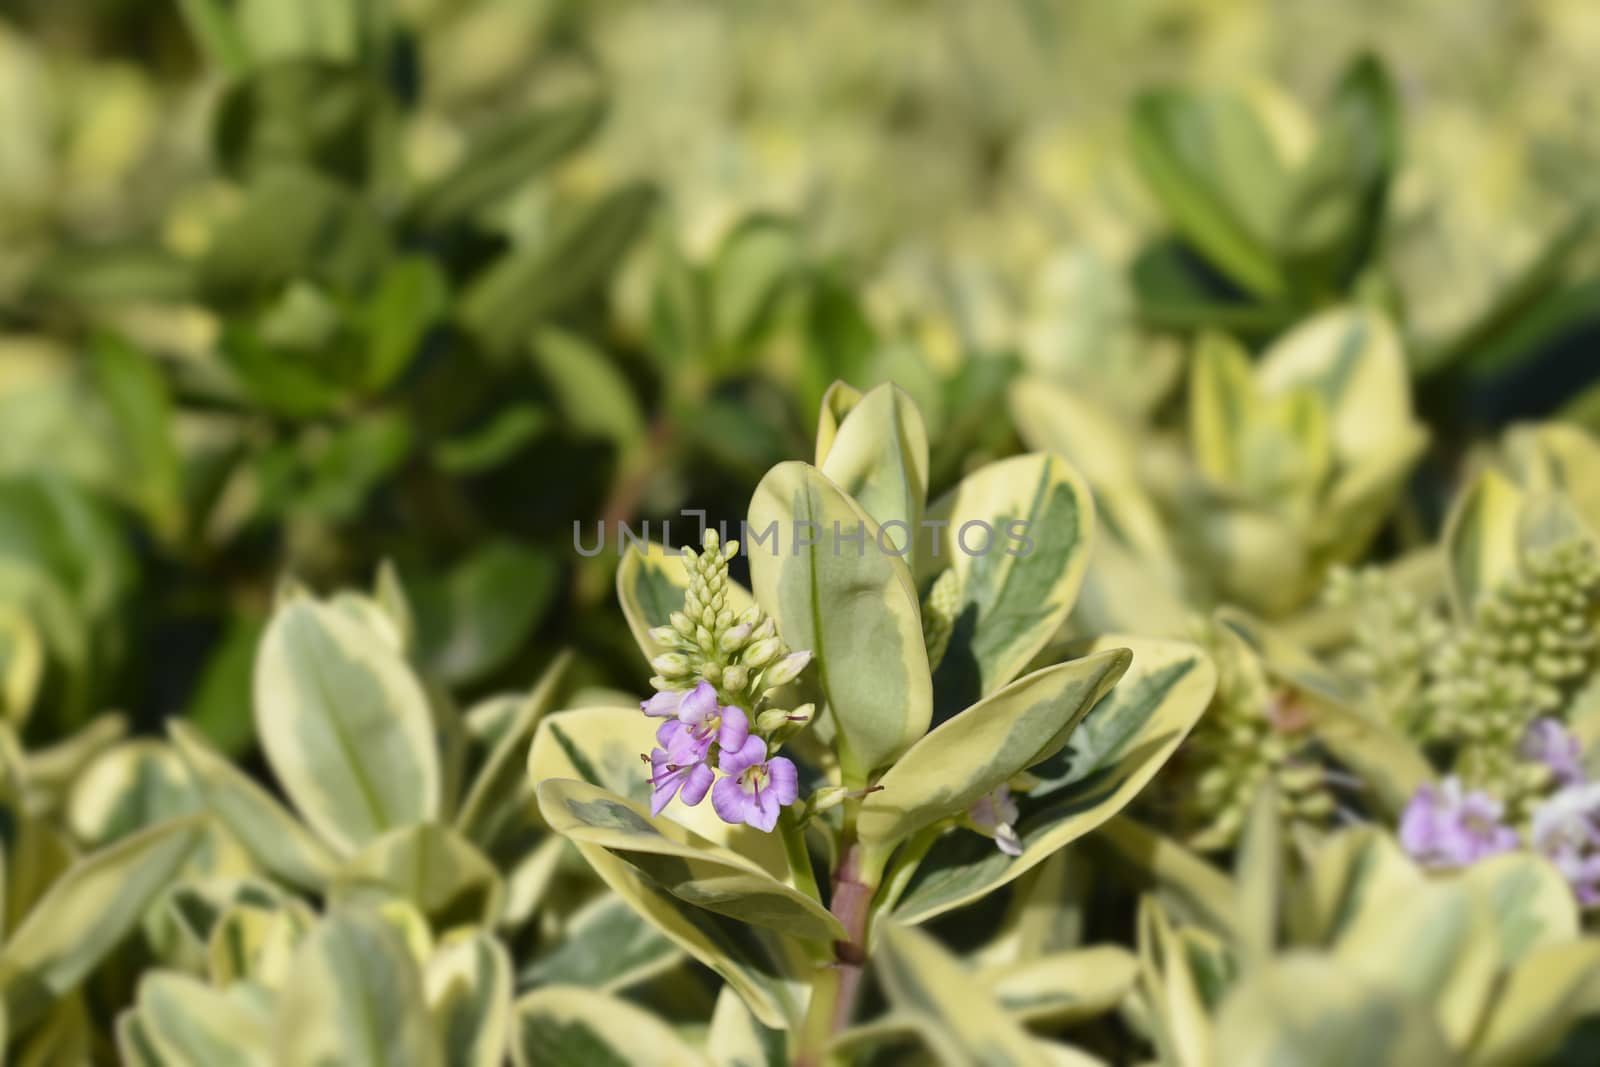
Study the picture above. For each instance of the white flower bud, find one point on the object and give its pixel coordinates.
(762, 653)
(735, 677)
(671, 664)
(786, 669)
(734, 639)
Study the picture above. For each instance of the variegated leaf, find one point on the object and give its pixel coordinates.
(1352, 359)
(187, 1023)
(1480, 539)
(1063, 987)
(982, 748)
(923, 980)
(126, 789)
(1528, 900)
(879, 458)
(1107, 760)
(497, 782)
(1187, 885)
(467, 982)
(765, 969)
(690, 867)
(837, 402)
(606, 945)
(561, 1026)
(345, 724)
(737, 1038)
(1538, 1001)
(273, 837)
(1438, 944)
(1311, 1011)
(855, 610)
(356, 999)
(1016, 533)
(87, 911)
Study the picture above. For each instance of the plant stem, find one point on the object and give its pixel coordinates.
(834, 991)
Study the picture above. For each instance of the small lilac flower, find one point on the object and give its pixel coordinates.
(995, 815)
(1566, 830)
(694, 721)
(689, 782)
(755, 787)
(1446, 827)
(672, 703)
(1548, 742)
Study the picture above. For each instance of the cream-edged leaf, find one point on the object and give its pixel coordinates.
(982, 748)
(606, 945)
(879, 457)
(1311, 1011)
(848, 602)
(693, 869)
(1017, 535)
(923, 980)
(1480, 539)
(1107, 760)
(1063, 987)
(467, 982)
(190, 1024)
(345, 724)
(274, 838)
(737, 1038)
(356, 999)
(562, 1026)
(88, 910)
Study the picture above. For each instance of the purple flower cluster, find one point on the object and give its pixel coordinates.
(1566, 830)
(755, 787)
(1447, 826)
(1451, 827)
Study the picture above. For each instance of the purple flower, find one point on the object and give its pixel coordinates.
(675, 703)
(668, 778)
(995, 814)
(1566, 831)
(1446, 827)
(694, 721)
(1548, 742)
(755, 787)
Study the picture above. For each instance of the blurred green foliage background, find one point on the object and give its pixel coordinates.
(298, 287)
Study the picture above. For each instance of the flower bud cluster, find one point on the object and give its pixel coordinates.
(740, 654)
(1253, 735)
(1395, 639)
(1531, 641)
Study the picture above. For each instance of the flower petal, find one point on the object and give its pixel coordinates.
(735, 729)
(697, 784)
(697, 703)
(663, 705)
(752, 752)
(783, 779)
(729, 801)
(762, 812)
